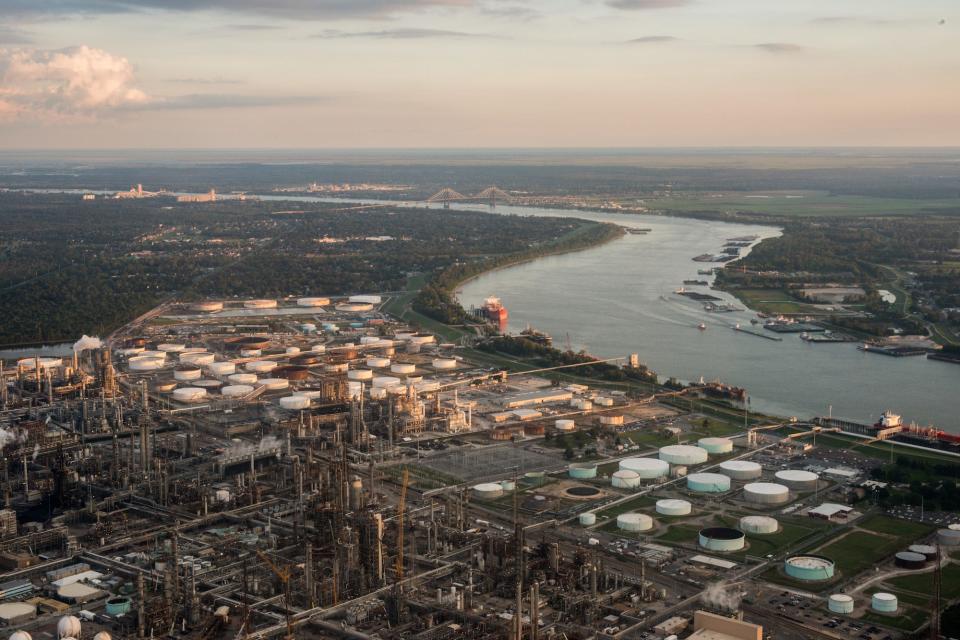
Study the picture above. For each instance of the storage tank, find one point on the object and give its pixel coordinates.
(759, 525)
(68, 626)
(242, 378)
(353, 307)
(313, 302)
(260, 366)
(840, 603)
(354, 389)
(671, 507)
(564, 425)
(103, 635)
(634, 522)
(910, 560)
(949, 537)
(206, 307)
(715, 446)
(927, 551)
(602, 401)
(582, 470)
(171, 347)
(378, 363)
(508, 485)
(222, 368)
(319, 348)
(809, 568)
(625, 479)
(20, 635)
(883, 602)
(360, 374)
(273, 384)
(588, 519)
(683, 454)
(708, 482)
(206, 383)
(118, 606)
(30, 364)
(200, 358)
(421, 338)
(189, 394)
(769, 493)
(444, 364)
(385, 381)
(741, 469)
(366, 299)
(146, 363)
(797, 479)
(403, 368)
(295, 402)
(646, 468)
(260, 304)
(611, 421)
(164, 386)
(722, 539)
(336, 367)
(292, 351)
(488, 491)
(236, 390)
(251, 353)
(185, 373)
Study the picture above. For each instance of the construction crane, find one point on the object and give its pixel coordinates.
(284, 575)
(401, 509)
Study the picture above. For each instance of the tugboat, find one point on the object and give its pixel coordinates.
(702, 326)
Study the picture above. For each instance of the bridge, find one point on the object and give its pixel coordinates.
(491, 195)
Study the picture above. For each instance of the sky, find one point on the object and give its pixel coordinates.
(317, 74)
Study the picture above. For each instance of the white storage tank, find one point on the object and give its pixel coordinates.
(671, 507)
(708, 482)
(260, 366)
(171, 347)
(564, 425)
(312, 394)
(646, 468)
(207, 307)
(189, 394)
(365, 299)
(251, 353)
(625, 479)
(403, 368)
(184, 374)
(236, 390)
(360, 374)
(146, 363)
(883, 602)
(488, 490)
(319, 348)
(273, 384)
(336, 367)
(378, 363)
(242, 378)
(292, 351)
(354, 389)
(313, 302)
(741, 469)
(198, 358)
(611, 421)
(602, 401)
(295, 402)
(421, 338)
(260, 304)
(797, 480)
(634, 522)
(716, 446)
(683, 454)
(222, 368)
(588, 519)
(722, 539)
(840, 603)
(378, 393)
(769, 493)
(207, 383)
(444, 364)
(385, 381)
(759, 525)
(949, 537)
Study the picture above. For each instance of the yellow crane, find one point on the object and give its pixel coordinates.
(284, 575)
(401, 509)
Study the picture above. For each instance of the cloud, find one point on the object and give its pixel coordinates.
(205, 81)
(652, 40)
(399, 34)
(639, 5)
(254, 27)
(76, 80)
(225, 101)
(13, 35)
(292, 9)
(511, 12)
(779, 47)
(854, 21)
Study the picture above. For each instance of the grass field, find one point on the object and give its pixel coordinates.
(772, 301)
(630, 505)
(860, 550)
(922, 583)
(801, 204)
(904, 529)
(907, 619)
(680, 533)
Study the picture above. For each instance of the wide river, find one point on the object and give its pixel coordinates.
(618, 299)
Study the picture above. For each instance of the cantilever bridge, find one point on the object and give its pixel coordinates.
(491, 194)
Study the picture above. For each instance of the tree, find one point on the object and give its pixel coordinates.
(568, 453)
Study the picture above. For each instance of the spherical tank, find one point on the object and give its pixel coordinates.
(646, 468)
(840, 603)
(20, 635)
(634, 522)
(671, 507)
(741, 469)
(683, 454)
(715, 446)
(708, 482)
(766, 493)
(68, 626)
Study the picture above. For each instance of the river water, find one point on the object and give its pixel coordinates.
(618, 299)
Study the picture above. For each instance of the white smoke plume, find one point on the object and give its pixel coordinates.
(11, 436)
(87, 342)
(36, 452)
(721, 596)
(246, 448)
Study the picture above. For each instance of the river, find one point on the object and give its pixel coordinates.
(618, 298)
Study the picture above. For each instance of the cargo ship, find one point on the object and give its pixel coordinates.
(494, 311)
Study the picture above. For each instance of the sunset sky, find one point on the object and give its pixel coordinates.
(478, 73)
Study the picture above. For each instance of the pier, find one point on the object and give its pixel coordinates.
(757, 333)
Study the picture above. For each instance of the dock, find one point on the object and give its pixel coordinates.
(758, 334)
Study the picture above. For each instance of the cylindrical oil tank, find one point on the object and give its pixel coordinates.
(222, 368)
(353, 307)
(378, 363)
(625, 479)
(313, 394)
(602, 401)
(949, 537)
(206, 307)
(251, 353)
(403, 368)
(319, 348)
(508, 485)
(336, 367)
(118, 606)
(612, 421)
(582, 470)
(206, 383)
(184, 373)
(295, 402)
(529, 430)
(759, 525)
(683, 454)
(421, 338)
(360, 374)
(564, 425)
(354, 389)
(910, 560)
(840, 603)
(385, 381)
(797, 479)
(809, 568)
(30, 364)
(378, 393)
(927, 551)
(313, 302)
(291, 372)
(273, 384)
(884, 602)
(199, 358)
(164, 386)
(189, 394)
(722, 539)
(236, 390)
(171, 347)
(292, 351)
(260, 304)
(260, 366)
(239, 343)
(146, 363)
(634, 522)
(366, 299)
(646, 468)
(741, 469)
(766, 493)
(444, 364)
(715, 446)
(242, 378)
(487, 491)
(672, 507)
(708, 482)
(588, 519)
(305, 359)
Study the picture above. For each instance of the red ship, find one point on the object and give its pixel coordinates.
(494, 310)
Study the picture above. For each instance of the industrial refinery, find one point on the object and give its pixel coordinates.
(311, 467)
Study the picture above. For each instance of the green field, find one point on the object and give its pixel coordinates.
(801, 204)
(907, 619)
(772, 301)
(630, 505)
(922, 583)
(860, 550)
(680, 533)
(904, 529)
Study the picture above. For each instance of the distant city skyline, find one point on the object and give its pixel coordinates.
(477, 73)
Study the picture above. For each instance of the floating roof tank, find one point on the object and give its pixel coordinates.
(189, 394)
(766, 493)
(809, 568)
(683, 454)
(708, 482)
(840, 603)
(716, 446)
(646, 468)
(236, 390)
(797, 479)
(741, 469)
(671, 507)
(722, 539)
(634, 522)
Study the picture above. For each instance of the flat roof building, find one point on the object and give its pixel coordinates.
(710, 626)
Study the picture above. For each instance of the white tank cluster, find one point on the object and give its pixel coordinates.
(189, 395)
(634, 522)
(260, 366)
(769, 493)
(708, 482)
(759, 525)
(883, 602)
(840, 603)
(625, 479)
(646, 468)
(295, 402)
(683, 454)
(222, 368)
(671, 507)
(273, 384)
(444, 364)
(313, 302)
(236, 390)
(260, 304)
(741, 469)
(798, 480)
(716, 446)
